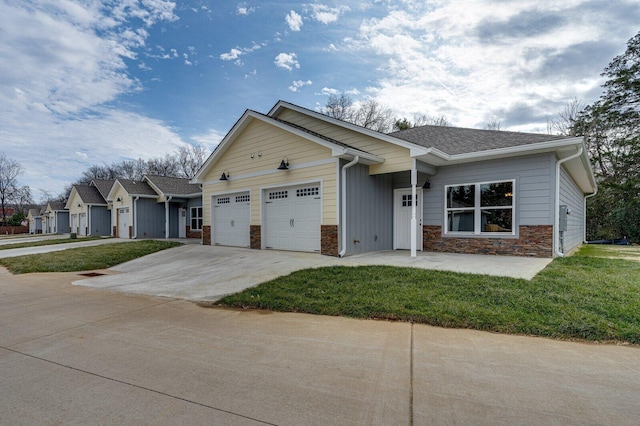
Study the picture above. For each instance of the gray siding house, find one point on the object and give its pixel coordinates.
(88, 211)
(182, 205)
(56, 218)
(295, 179)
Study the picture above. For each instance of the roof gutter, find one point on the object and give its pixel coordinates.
(556, 225)
(584, 216)
(343, 204)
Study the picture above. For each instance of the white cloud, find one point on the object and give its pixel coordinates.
(329, 91)
(71, 60)
(297, 84)
(326, 14)
(210, 139)
(294, 21)
(233, 54)
(287, 61)
(244, 10)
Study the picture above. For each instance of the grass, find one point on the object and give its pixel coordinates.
(579, 297)
(85, 258)
(47, 242)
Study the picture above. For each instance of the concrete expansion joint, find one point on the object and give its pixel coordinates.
(136, 386)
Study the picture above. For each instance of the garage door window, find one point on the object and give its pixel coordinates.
(223, 200)
(242, 198)
(307, 192)
(277, 195)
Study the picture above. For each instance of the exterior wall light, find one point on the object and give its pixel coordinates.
(284, 164)
(225, 175)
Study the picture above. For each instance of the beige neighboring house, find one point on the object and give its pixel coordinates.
(295, 179)
(88, 211)
(55, 219)
(34, 217)
(135, 212)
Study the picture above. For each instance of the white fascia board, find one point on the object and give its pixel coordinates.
(222, 147)
(153, 186)
(365, 157)
(548, 146)
(359, 129)
(73, 190)
(113, 191)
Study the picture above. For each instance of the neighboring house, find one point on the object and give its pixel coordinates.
(135, 212)
(34, 217)
(295, 179)
(56, 218)
(182, 205)
(88, 211)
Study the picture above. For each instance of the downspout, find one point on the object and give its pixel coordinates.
(343, 204)
(89, 220)
(414, 201)
(135, 217)
(166, 216)
(556, 225)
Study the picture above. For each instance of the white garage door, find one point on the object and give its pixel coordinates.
(292, 218)
(231, 219)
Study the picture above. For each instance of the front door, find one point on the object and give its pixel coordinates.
(123, 222)
(403, 204)
(182, 223)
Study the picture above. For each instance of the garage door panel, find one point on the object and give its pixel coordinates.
(293, 217)
(231, 220)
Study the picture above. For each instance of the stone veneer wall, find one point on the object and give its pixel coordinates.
(193, 234)
(329, 240)
(255, 237)
(206, 235)
(533, 241)
(115, 232)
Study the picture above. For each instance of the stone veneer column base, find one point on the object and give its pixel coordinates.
(130, 232)
(533, 241)
(255, 237)
(115, 232)
(193, 234)
(329, 240)
(206, 235)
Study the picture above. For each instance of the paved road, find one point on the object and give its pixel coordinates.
(79, 355)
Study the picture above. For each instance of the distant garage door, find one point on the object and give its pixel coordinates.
(293, 217)
(231, 219)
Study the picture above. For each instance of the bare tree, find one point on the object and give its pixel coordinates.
(375, 116)
(9, 172)
(493, 125)
(190, 159)
(23, 198)
(426, 120)
(340, 107)
(565, 123)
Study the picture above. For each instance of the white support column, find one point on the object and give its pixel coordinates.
(166, 219)
(414, 222)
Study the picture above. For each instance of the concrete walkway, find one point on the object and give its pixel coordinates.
(78, 355)
(57, 247)
(197, 272)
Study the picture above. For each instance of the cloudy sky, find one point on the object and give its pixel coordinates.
(86, 82)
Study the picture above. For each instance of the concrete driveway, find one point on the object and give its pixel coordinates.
(78, 355)
(197, 272)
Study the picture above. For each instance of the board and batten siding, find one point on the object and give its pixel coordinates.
(100, 220)
(396, 158)
(149, 218)
(369, 211)
(534, 187)
(573, 198)
(268, 145)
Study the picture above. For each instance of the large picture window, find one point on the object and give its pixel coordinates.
(196, 218)
(480, 208)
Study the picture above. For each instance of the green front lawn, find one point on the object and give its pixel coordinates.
(579, 297)
(85, 258)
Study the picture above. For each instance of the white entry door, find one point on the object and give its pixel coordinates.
(83, 224)
(403, 204)
(182, 223)
(74, 223)
(292, 218)
(123, 222)
(231, 219)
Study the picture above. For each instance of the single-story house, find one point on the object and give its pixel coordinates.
(88, 211)
(156, 207)
(34, 217)
(182, 205)
(295, 179)
(56, 218)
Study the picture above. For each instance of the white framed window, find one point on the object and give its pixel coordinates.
(480, 208)
(196, 218)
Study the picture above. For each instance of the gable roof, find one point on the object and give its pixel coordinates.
(168, 186)
(103, 185)
(89, 195)
(458, 140)
(133, 189)
(56, 206)
(338, 149)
